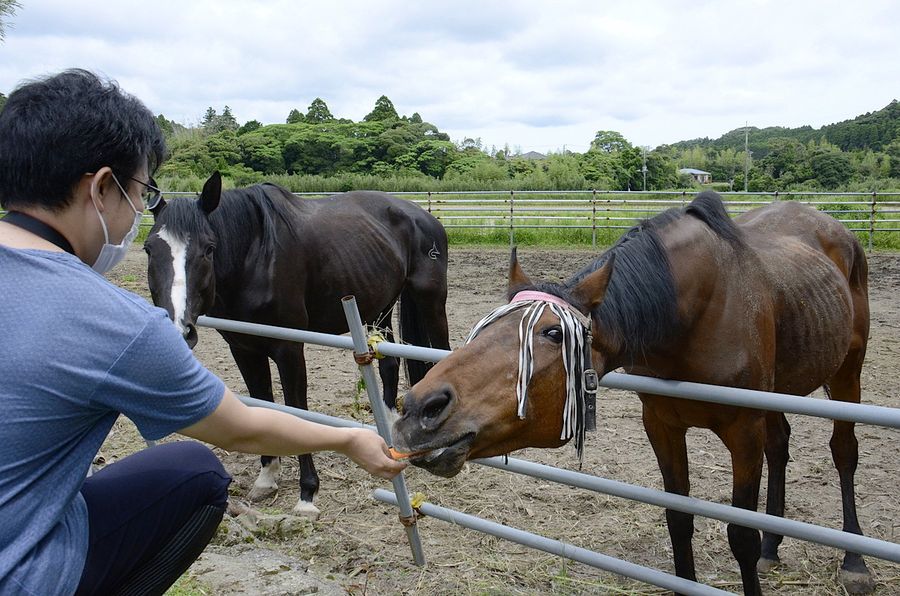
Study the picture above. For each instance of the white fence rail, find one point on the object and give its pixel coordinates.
(607, 213)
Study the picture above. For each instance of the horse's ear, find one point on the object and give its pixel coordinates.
(591, 290)
(212, 192)
(517, 278)
(157, 208)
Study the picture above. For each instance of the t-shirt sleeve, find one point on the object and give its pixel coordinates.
(158, 383)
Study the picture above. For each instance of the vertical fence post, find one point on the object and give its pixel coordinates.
(361, 348)
(512, 239)
(872, 219)
(429, 201)
(594, 219)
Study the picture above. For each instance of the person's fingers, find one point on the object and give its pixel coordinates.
(391, 469)
(373, 455)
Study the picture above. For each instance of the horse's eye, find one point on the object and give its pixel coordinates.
(554, 334)
(210, 249)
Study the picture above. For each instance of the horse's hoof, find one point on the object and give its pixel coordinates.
(764, 566)
(856, 582)
(260, 492)
(307, 510)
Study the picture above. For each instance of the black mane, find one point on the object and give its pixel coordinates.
(244, 223)
(639, 309)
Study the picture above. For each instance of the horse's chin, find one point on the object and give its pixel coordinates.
(445, 461)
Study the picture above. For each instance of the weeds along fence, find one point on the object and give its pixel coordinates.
(859, 413)
(599, 217)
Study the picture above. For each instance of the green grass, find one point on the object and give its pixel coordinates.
(188, 586)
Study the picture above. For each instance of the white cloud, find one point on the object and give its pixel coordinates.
(532, 74)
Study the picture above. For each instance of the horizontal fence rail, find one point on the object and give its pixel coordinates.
(861, 413)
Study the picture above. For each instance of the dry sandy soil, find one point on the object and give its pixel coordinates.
(359, 543)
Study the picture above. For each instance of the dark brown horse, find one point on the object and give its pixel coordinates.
(775, 301)
(262, 255)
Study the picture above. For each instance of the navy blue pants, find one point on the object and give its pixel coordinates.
(147, 513)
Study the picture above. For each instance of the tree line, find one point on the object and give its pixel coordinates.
(314, 150)
(390, 151)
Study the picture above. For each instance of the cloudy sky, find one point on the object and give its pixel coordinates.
(537, 75)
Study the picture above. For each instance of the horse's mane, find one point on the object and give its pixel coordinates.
(248, 216)
(638, 311)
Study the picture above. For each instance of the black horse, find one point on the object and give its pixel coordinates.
(262, 255)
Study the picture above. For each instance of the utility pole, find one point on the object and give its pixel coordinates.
(746, 155)
(644, 166)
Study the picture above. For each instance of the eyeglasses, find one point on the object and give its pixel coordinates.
(151, 194)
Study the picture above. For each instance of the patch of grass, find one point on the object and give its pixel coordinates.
(188, 586)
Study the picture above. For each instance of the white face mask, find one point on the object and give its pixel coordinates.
(112, 254)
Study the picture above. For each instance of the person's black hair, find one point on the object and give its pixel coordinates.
(56, 129)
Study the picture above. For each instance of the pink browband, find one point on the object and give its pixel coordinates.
(544, 297)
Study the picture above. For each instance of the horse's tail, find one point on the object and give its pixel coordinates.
(414, 332)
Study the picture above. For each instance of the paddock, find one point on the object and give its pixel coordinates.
(360, 543)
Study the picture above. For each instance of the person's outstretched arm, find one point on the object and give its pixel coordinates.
(237, 427)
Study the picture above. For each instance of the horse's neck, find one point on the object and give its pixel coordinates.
(244, 261)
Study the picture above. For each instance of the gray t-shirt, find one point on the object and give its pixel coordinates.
(75, 351)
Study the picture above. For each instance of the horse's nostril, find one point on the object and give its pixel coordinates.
(436, 403)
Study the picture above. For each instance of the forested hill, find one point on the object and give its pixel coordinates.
(872, 131)
(316, 151)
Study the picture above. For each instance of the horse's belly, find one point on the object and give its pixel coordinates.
(814, 324)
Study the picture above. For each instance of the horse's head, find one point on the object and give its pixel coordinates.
(516, 383)
(180, 249)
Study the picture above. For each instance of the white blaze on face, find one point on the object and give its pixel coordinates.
(178, 249)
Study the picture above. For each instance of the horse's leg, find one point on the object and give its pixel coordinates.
(389, 366)
(254, 367)
(423, 318)
(668, 443)
(291, 362)
(745, 438)
(844, 386)
(778, 431)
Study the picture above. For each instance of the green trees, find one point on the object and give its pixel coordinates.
(384, 110)
(213, 122)
(294, 117)
(413, 153)
(7, 10)
(609, 141)
(317, 113)
(2, 101)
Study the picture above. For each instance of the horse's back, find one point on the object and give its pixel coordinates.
(366, 243)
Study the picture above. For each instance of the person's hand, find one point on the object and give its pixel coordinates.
(369, 451)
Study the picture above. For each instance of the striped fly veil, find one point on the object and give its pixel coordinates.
(576, 332)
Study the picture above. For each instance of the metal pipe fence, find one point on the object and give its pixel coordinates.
(860, 413)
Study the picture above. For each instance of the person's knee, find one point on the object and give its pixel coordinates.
(209, 475)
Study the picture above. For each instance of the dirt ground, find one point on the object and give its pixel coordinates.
(359, 542)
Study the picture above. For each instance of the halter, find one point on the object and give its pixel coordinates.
(579, 412)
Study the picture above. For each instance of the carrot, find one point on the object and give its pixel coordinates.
(400, 455)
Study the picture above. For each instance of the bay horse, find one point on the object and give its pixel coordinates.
(776, 300)
(262, 255)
